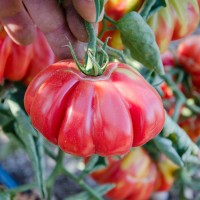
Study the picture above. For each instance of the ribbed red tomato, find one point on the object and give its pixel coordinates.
(23, 62)
(162, 24)
(84, 115)
(134, 176)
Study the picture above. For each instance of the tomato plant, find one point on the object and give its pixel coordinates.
(105, 104)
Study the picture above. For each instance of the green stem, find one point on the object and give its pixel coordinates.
(92, 68)
(48, 151)
(113, 51)
(177, 109)
(55, 172)
(109, 19)
(92, 37)
(82, 184)
(144, 12)
(21, 188)
(93, 160)
(59, 169)
(105, 28)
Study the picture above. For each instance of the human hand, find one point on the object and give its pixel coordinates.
(57, 22)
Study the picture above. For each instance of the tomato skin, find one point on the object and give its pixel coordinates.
(5, 49)
(166, 169)
(186, 17)
(23, 62)
(43, 56)
(118, 8)
(17, 62)
(162, 24)
(188, 54)
(134, 176)
(79, 113)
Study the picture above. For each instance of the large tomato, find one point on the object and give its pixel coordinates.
(186, 16)
(162, 24)
(23, 62)
(85, 115)
(166, 174)
(134, 176)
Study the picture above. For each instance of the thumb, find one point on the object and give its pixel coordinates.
(86, 9)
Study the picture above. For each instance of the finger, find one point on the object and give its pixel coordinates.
(50, 18)
(17, 22)
(76, 24)
(86, 9)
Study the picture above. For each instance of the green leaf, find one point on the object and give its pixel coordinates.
(5, 119)
(138, 37)
(32, 141)
(186, 149)
(101, 190)
(166, 147)
(21, 118)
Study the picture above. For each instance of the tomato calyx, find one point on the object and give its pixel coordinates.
(96, 58)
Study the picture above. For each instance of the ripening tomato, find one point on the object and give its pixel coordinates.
(134, 176)
(17, 61)
(5, 48)
(166, 174)
(191, 126)
(43, 56)
(84, 115)
(188, 54)
(117, 9)
(23, 62)
(162, 24)
(168, 59)
(186, 17)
